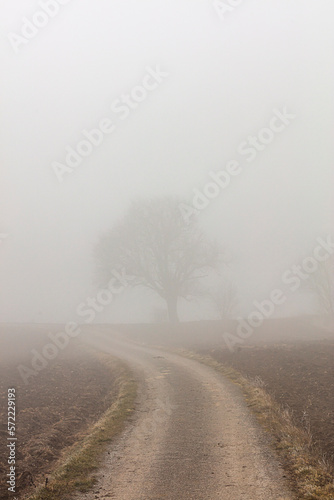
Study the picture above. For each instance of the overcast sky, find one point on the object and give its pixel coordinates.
(220, 77)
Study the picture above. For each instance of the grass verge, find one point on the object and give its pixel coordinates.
(311, 476)
(76, 471)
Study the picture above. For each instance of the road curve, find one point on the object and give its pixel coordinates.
(191, 437)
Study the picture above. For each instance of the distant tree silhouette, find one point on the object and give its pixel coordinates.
(163, 251)
(321, 283)
(225, 299)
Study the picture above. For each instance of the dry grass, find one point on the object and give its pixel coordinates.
(310, 474)
(75, 472)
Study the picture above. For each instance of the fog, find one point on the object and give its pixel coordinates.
(212, 80)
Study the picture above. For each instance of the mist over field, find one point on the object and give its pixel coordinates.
(230, 109)
(166, 250)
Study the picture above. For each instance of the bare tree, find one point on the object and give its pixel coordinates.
(225, 299)
(321, 283)
(160, 249)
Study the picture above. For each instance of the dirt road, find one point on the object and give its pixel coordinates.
(192, 436)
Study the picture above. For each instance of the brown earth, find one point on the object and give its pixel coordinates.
(54, 409)
(52, 412)
(299, 376)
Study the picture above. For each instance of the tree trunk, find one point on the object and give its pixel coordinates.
(172, 309)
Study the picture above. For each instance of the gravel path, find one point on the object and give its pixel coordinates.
(191, 437)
